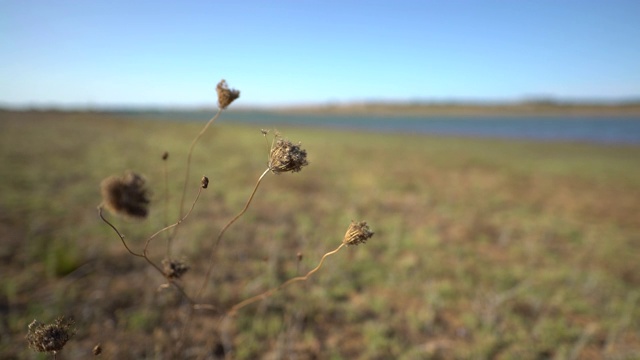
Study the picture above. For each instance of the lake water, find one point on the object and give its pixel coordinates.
(615, 129)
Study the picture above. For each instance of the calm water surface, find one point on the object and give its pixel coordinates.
(617, 129)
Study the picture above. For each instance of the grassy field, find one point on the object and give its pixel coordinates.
(522, 108)
(483, 249)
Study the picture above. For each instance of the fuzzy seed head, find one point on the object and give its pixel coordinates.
(358, 233)
(50, 337)
(225, 95)
(126, 195)
(204, 182)
(174, 269)
(286, 156)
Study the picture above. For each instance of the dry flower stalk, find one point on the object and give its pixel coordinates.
(358, 233)
(225, 97)
(50, 338)
(126, 195)
(284, 156)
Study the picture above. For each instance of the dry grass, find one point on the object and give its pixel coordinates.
(483, 249)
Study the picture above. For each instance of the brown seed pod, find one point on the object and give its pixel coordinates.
(50, 337)
(358, 233)
(225, 95)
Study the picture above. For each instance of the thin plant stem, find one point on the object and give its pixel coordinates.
(197, 306)
(188, 169)
(264, 132)
(224, 229)
(187, 173)
(221, 328)
(125, 244)
(270, 292)
(166, 204)
(154, 265)
(182, 291)
(146, 245)
(117, 232)
(225, 323)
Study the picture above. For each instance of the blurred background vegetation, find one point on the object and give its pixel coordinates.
(483, 248)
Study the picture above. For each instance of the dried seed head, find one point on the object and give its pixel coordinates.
(174, 269)
(358, 233)
(50, 337)
(286, 156)
(97, 350)
(225, 95)
(126, 195)
(204, 182)
(165, 155)
(299, 256)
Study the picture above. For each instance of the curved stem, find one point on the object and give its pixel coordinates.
(193, 144)
(165, 172)
(143, 255)
(270, 292)
(268, 147)
(117, 232)
(146, 244)
(224, 229)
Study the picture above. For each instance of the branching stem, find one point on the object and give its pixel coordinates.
(270, 292)
(188, 169)
(224, 229)
(117, 232)
(146, 245)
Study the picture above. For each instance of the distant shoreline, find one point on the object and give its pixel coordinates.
(581, 128)
(462, 109)
(439, 109)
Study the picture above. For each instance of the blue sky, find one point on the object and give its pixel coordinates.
(172, 53)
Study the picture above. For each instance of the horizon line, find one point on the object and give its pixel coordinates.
(455, 102)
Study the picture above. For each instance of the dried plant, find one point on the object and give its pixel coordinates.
(204, 182)
(129, 196)
(225, 95)
(174, 269)
(357, 233)
(126, 195)
(286, 156)
(225, 98)
(50, 338)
